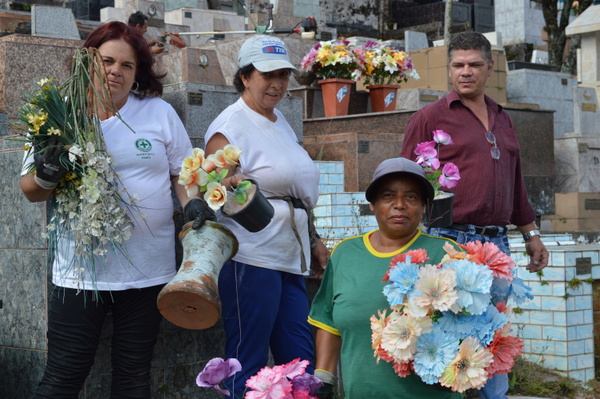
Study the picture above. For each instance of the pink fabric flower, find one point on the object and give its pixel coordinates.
(450, 175)
(427, 154)
(403, 369)
(505, 347)
(441, 137)
(490, 255)
(268, 384)
(274, 383)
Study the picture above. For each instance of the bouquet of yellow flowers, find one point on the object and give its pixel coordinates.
(381, 64)
(333, 59)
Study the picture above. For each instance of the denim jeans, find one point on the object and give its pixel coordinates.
(75, 323)
(497, 386)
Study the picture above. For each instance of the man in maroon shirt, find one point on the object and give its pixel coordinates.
(491, 192)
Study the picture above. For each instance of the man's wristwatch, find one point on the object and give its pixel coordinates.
(531, 233)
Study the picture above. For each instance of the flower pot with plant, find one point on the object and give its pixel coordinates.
(336, 64)
(439, 213)
(383, 68)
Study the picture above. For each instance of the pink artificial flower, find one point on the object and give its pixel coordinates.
(310, 57)
(505, 348)
(416, 256)
(441, 137)
(268, 384)
(274, 383)
(490, 255)
(427, 154)
(403, 369)
(450, 175)
(294, 368)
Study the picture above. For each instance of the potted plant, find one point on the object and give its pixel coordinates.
(191, 300)
(338, 67)
(383, 68)
(439, 213)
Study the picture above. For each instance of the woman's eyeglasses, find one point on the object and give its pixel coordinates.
(492, 140)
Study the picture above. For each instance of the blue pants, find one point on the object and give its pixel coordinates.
(74, 326)
(497, 386)
(262, 309)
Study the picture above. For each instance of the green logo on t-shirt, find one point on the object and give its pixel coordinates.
(143, 145)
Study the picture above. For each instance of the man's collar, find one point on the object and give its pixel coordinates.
(454, 96)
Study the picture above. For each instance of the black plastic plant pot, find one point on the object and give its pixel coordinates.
(255, 214)
(439, 213)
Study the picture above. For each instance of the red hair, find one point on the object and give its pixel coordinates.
(145, 76)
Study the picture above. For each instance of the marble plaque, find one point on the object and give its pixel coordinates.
(586, 114)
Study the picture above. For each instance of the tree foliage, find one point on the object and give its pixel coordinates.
(557, 20)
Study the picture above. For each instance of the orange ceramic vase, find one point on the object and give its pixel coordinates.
(336, 96)
(383, 97)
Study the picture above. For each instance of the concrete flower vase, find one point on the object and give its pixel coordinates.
(191, 300)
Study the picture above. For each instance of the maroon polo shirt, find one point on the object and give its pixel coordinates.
(490, 192)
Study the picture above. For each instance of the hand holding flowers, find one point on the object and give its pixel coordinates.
(428, 157)
(63, 135)
(285, 381)
(443, 324)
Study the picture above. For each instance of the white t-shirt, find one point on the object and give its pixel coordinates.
(144, 159)
(273, 157)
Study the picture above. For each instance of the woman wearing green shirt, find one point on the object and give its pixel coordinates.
(351, 290)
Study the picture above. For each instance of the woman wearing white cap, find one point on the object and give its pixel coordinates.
(264, 299)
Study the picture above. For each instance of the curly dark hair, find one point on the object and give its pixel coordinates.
(237, 79)
(471, 41)
(148, 80)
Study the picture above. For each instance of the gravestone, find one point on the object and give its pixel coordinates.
(54, 22)
(415, 41)
(588, 26)
(578, 153)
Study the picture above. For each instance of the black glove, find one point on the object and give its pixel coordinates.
(198, 210)
(325, 392)
(49, 168)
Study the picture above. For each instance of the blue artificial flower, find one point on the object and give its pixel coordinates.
(435, 350)
(516, 290)
(487, 324)
(473, 284)
(519, 292)
(401, 282)
(460, 324)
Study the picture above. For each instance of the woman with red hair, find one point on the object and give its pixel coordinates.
(148, 143)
